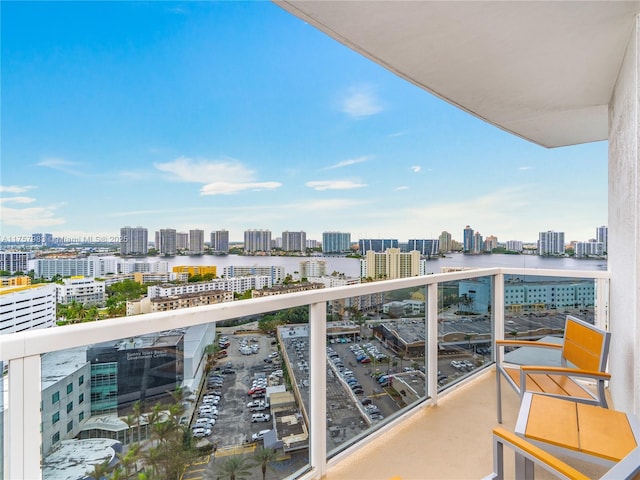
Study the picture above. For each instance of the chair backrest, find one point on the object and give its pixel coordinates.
(585, 346)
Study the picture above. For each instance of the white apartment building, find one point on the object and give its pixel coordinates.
(182, 241)
(86, 291)
(330, 281)
(276, 273)
(551, 243)
(514, 245)
(234, 284)
(14, 262)
(166, 241)
(220, 241)
(589, 249)
(294, 241)
(445, 242)
(313, 268)
(196, 242)
(134, 241)
(73, 267)
(66, 396)
(27, 307)
(392, 264)
(145, 267)
(257, 241)
(602, 235)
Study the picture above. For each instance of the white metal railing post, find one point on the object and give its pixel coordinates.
(601, 307)
(431, 344)
(23, 442)
(498, 309)
(318, 388)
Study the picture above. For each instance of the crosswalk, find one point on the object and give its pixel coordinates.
(196, 470)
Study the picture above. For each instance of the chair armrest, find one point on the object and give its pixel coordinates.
(570, 372)
(536, 454)
(525, 343)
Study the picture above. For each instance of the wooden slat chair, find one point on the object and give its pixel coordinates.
(584, 352)
(529, 455)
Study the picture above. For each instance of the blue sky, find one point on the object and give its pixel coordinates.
(237, 115)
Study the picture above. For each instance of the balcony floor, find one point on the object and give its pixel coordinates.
(449, 441)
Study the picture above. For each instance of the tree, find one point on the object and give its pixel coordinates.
(236, 468)
(99, 471)
(264, 457)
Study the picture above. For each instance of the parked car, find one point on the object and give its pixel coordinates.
(259, 435)
(201, 432)
(256, 389)
(260, 417)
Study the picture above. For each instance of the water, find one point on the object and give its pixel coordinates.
(351, 266)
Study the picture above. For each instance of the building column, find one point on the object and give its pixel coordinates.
(624, 231)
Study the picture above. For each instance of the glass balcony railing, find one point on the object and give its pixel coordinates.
(294, 382)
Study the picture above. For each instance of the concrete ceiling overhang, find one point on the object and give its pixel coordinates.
(542, 70)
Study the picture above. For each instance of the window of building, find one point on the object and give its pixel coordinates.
(55, 397)
(70, 388)
(69, 426)
(81, 398)
(55, 438)
(69, 406)
(55, 418)
(81, 416)
(81, 380)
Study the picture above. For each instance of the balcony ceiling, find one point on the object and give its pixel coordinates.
(544, 71)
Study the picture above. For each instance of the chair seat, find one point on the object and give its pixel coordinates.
(561, 385)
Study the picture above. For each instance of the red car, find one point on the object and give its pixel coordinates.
(256, 390)
(365, 360)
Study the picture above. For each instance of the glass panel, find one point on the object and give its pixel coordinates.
(4, 393)
(376, 362)
(464, 328)
(537, 306)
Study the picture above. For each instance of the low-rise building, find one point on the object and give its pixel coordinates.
(27, 307)
(86, 291)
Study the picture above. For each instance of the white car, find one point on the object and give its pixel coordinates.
(201, 432)
(260, 417)
(259, 435)
(255, 403)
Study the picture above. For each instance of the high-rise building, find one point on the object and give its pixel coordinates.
(166, 241)
(428, 247)
(294, 241)
(182, 241)
(13, 262)
(467, 239)
(588, 249)
(602, 235)
(37, 238)
(514, 245)
(257, 240)
(551, 243)
(376, 244)
(490, 243)
(445, 242)
(336, 242)
(134, 241)
(196, 242)
(27, 307)
(392, 264)
(220, 241)
(478, 243)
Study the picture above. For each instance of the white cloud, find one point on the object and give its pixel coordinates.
(61, 165)
(334, 185)
(526, 168)
(226, 188)
(17, 200)
(30, 218)
(15, 188)
(361, 101)
(350, 161)
(416, 169)
(219, 178)
(403, 187)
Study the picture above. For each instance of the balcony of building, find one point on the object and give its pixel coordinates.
(437, 420)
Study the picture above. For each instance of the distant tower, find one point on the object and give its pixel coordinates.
(467, 239)
(551, 243)
(336, 242)
(220, 241)
(257, 240)
(134, 241)
(294, 241)
(166, 241)
(602, 235)
(445, 242)
(196, 242)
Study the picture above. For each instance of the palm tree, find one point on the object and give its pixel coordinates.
(130, 420)
(99, 470)
(236, 468)
(137, 411)
(264, 457)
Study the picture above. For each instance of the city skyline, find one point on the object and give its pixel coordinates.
(213, 115)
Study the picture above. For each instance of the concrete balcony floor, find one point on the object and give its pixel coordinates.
(449, 441)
